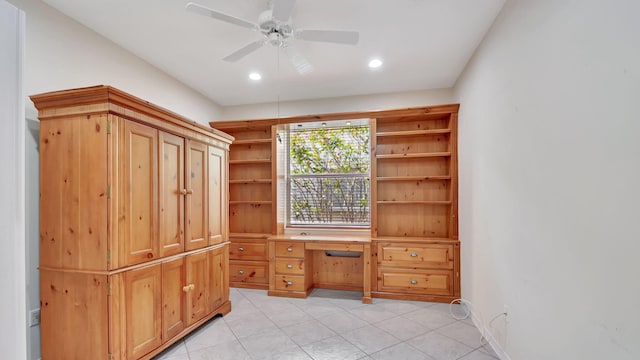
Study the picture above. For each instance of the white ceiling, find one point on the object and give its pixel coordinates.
(424, 44)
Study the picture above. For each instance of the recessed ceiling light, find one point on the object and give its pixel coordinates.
(255, 76)
(348, 123)
(375, 63)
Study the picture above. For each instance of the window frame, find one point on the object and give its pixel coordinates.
(292, 128)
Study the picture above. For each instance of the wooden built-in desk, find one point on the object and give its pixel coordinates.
(298, 263)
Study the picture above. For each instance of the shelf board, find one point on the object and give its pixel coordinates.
(256, 202)
(415, 155)
(410, 202)
(251, 181)
(251, 141)
(417, 239)
(249, 235)
(413, 178)
(413, 132)
(249, 161)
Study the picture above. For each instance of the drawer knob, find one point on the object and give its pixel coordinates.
(183, 192)
(289, 266)
(240, 272)
(289, 282)
(414, 281)
(185, 288)
(240, 248)
(289, 249)
(414, 254)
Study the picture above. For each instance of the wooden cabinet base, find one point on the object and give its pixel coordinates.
(413, 297)
(222, 310)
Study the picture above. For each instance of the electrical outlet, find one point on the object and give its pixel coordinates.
(34, 317)
(505, 310)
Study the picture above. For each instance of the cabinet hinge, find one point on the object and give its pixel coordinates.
(108, 289)
(108, 256)
(108, 126)
(109, 356)
(108, 191)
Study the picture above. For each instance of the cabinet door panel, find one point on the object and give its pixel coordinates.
(196, 201)
(138, 193)
(143, 308)
(217, 187)
(219, 277)
(197, 288)
(173, 298)
(171, 185)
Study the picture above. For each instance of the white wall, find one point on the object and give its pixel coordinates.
(341, 104)
(32, 220)
(63, 54)
(12, 257)
(549, 178)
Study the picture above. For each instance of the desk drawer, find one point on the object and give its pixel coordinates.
(433, 256)
(290, 283)
(290, 249)
(290, 266)
(427, 282)
(251, 272)
(240, 250)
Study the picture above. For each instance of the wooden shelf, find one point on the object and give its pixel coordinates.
(252, 181)
(411, 202)
(251, 141)
(249, 235)
(413, 178)
(256, 202)
(413, 156)
(413, 132)
(249, 161)
(413, 239)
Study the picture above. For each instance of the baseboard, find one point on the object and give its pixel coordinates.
(488, 335)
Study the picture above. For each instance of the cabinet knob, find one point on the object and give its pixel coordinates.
(414, 254)
(289, 282)
(289, 249)
(183, 192)
(240, 248)
(240, 271)
(414, 281)
(289, 266)
(190, 191)
(186, 288)
(192, 287)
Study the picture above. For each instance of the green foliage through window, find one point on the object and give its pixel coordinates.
(329, 176)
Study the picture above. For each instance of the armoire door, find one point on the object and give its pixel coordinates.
(173, 298)
(217, 187)
(172, 191)
(138, 189)
(142, 301)
(197, 286)
(218, 277)
(196, 199)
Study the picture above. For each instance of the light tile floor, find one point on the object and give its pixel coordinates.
(331, 325)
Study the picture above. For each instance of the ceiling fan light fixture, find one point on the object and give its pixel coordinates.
(375, 63)
(255, 76)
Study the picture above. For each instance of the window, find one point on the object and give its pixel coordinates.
(328, 181)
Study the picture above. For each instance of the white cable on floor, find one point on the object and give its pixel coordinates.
(470, 310)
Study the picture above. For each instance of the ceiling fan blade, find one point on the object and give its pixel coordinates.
(301, 63)
(332, 36)
(282, 9)
(244, 51)
(203, 10)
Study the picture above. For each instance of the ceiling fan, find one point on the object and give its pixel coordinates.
(275, 28)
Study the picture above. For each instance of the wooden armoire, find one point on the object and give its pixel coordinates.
(133, 225)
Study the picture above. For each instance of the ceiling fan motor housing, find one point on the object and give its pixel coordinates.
(275, 31)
